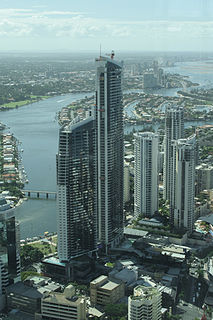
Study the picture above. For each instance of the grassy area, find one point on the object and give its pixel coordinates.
(45, 248)
(12, 105)
(110, 264)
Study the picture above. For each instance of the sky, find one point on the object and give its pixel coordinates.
(121, 25)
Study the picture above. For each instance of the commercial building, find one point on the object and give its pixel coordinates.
(76, 189)
(174, 129)
(9, 246)
(146, 174)
(104, 291)
(182, 201)
(144, 304)
(64, 306)
(23, 297)
(109, 141)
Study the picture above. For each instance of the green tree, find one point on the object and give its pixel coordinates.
(30, 255)
(115, 311)
(26, 274)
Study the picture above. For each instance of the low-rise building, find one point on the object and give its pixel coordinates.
(104, 291)
(64, 306)
(23, 297)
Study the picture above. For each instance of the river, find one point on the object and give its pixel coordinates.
(36, 127)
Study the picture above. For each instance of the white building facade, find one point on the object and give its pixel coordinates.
(182, 203)
(126, 183)
(146, 174)
(145, 304)
(64, 306)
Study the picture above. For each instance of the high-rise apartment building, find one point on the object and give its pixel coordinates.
(146, 174)
(90, 171)
(126, 182)
(9, 246)
(76, 189)
(183, 183)
(145, 304)
(174, 129)
(204, 177)
(109, 135)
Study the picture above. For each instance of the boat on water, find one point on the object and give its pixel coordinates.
(2, 126)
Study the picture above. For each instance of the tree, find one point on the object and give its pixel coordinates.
(115, 311)
(26, 274)
(29, 255)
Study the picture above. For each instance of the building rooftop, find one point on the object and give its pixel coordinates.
(60, 298)
(55, 261)
(110, 285)
(95, 312)
(145, 292)
(135, 232)
(21, 289)
(99, 279)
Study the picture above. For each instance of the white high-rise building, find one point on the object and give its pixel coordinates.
(146, 174)
(204, 177)
(110, 160)
(126, 182)
(183, 183)
(144, 304)
(174, 129)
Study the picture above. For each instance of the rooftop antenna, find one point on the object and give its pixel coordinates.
(100, 49)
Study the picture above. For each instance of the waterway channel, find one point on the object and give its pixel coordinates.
(36, 127)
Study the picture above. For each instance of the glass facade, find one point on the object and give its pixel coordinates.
(9, 245)
(109, 134)
(76, 190)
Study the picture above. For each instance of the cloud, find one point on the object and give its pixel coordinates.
(36, 23)
(62, 13)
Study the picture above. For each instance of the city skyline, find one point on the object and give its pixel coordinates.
(143, 26)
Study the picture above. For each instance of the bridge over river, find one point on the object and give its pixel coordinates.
(39, 193)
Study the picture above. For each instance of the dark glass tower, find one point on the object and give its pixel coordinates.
(9, 245)
(109, 137)
(76, 184)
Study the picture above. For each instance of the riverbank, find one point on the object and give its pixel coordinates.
(17, 104)
(10, 160)
(37, 127)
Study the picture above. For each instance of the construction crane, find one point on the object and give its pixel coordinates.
(111, 55)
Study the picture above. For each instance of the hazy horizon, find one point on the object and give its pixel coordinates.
(139, 26)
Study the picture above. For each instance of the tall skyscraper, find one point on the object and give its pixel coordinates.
(90, 171)
(76, 189)
(174, 129)
(145, 304)
(109, 133)
(9, 246)
(183, 183)
(146, 174)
